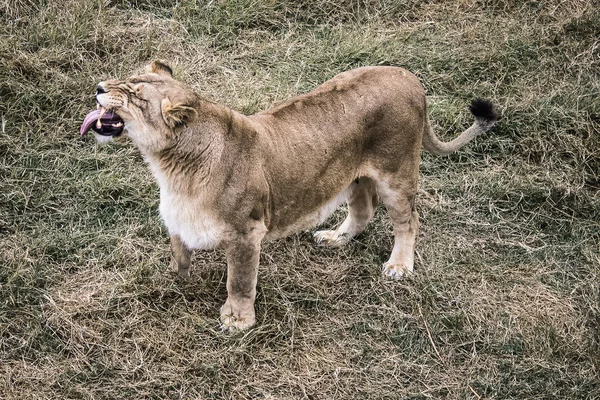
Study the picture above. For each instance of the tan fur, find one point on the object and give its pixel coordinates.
(232, 180)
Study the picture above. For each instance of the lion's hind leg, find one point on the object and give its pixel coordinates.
(400, 203)
(361, 207)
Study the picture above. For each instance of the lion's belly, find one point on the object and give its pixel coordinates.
(186, 219)
(309, 220)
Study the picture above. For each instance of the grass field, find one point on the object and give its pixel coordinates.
(505, 299)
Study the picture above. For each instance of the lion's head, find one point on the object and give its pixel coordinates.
(149, 108)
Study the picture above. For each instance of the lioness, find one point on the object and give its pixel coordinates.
(232, 180)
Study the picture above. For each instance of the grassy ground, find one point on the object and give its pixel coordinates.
(505, 301)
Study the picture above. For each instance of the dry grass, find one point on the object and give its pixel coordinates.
(505, 301)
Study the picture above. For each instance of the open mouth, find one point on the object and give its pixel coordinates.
(103, 122)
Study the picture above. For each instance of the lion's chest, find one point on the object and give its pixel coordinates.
(188, 219)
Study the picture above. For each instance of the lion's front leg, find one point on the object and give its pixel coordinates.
(242, 268)
(181, 256)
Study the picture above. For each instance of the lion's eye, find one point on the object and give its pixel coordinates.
(137, 96)
(141, 103)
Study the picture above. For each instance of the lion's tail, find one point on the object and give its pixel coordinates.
(485, 117)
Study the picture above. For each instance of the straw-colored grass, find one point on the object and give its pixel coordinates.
(505, 299)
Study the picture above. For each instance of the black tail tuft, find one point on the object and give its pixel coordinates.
(484, 109)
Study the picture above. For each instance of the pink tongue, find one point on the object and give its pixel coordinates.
(89, 120)
(108, 121)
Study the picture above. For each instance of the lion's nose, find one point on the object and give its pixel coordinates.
(100, 89)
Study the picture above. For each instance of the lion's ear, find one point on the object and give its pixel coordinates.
(159, 67)
(176, 115)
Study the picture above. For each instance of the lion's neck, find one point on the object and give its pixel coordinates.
(185, 164)
(185, 167)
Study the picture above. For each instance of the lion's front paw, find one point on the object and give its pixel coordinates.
(232, 320)
(396, 271)
(331, 238)
(182, 272)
